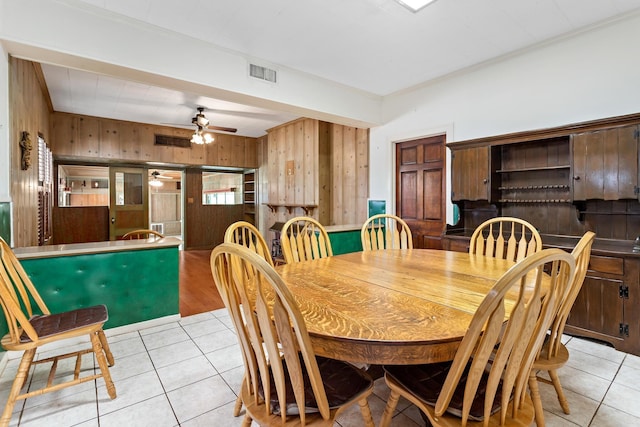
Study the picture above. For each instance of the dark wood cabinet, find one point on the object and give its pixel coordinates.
(470, 176)
(565, 181)
(605, 164)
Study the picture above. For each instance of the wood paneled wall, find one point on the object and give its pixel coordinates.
(310, 162)
(88, 137)
(349, 151)
(29, 111)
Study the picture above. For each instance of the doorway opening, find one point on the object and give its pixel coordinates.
(166, 208)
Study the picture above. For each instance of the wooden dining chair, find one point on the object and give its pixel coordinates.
(142, 234)
(554, 353)
(246, 234)
(505, 237)
(385, 231)
(32, 325)
(285, 383)
(303, 238)
(486, 383)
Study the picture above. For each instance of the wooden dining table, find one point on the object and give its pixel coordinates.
(392, 306)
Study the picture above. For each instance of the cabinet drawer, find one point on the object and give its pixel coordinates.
(604, 264)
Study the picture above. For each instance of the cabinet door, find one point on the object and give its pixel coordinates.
(599, 307)
(605, 164)
(470, 178)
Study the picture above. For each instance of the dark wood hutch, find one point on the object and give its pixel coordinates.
(565, 180)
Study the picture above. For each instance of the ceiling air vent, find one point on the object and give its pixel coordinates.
(262, 73)
(172, 141)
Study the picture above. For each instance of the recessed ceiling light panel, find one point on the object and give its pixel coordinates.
(414, 5)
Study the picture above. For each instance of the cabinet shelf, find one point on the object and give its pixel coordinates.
(542, 168)
(626, 213)
(534, 201)
(537, 187)
(308, 209)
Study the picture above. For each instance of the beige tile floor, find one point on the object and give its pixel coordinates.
(185, 373)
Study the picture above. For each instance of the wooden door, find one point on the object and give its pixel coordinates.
(605, 164)
(420, 189)
(470, 178)
(128, 201)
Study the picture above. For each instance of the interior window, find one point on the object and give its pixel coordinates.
(221, 188)
(83, 185)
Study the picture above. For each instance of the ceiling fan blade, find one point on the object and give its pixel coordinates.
(223, 129)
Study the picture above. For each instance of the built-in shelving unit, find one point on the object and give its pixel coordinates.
(249, 196)
(533, 176)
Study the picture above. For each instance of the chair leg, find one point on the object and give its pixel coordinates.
(18, 383)
(385, 421)
(366, 413)
(238, 407)
(535, 397)
(102, 362)
(246, 422)
(561, 398)
(105, 347)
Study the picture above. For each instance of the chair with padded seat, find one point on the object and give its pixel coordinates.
(32, 325)
(246, 234)
(142, 234)
(385, 231)
(554, 353)
(505, 237)
(303, 238)
(486, 383)
(284, 383)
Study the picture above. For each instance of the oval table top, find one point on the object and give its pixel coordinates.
(391, 306)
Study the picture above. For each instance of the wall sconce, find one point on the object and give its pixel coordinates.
(25, 147)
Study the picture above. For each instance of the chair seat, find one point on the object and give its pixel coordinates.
(54, 324)
(342, 382)
(425, 382)
(544, 362)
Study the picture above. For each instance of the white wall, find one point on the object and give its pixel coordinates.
(590, 76)
(5, 153)
(78, 35)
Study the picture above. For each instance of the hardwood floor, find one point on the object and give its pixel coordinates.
(198, 292)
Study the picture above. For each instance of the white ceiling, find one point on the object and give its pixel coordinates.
(376, 46)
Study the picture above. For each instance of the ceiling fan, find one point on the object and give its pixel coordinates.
(154, 182)
(202, 125)
(156, 174)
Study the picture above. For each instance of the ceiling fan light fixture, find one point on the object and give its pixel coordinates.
(197, 138)
(155, 183)
(200, 137)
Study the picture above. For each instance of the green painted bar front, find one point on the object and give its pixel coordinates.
(135, 285)
(343, 242)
